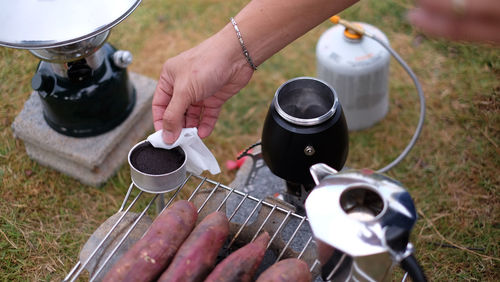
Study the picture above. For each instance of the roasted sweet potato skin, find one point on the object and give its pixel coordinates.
(288, 270)
(147, 259)
(242, 264)
(196, 257)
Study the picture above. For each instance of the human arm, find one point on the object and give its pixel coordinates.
(194, 85)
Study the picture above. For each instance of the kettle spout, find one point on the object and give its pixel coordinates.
(320, 171)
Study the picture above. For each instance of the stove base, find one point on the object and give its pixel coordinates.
(256, 179)
(91, 160)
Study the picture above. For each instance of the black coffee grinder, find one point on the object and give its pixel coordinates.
(305, 125)
(82, 80)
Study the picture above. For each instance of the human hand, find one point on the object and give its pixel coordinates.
(467, 20)
(194, 85)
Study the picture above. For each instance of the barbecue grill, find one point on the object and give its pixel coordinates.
(248, 216)
(290, 231)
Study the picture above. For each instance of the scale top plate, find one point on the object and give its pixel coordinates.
(35, 24)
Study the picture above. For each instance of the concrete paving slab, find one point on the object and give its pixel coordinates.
(92, 160)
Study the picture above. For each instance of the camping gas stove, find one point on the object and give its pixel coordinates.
(82, 80)
(81, 86)
(87, 96)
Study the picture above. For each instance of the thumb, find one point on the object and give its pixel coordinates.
(173, 117)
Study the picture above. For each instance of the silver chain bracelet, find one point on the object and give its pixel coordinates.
(243, 47)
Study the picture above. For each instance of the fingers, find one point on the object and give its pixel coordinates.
(454, 28)
(202, 116)
(471, 8)
(173, 111)
(464, 20)
(161, 98)
(193, 114)
(208, 120)
(196, 83)
(173, 117)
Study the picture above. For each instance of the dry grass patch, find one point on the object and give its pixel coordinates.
(452, 173)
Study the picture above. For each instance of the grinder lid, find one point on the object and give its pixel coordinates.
(305, 101)
(35, 24)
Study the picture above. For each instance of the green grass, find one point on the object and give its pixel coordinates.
(452, 173)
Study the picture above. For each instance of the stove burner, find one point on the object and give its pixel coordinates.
(86, 97)
(259, 180)
(296, 195)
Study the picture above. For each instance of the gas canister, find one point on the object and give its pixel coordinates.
(357, 68)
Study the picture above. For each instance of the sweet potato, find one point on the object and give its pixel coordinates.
(288, 270)
(196, 257)
(242, 264)
(146, 260)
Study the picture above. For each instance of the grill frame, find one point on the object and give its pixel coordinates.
(283, 247)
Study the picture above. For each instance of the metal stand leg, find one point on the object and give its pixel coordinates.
(160, 203)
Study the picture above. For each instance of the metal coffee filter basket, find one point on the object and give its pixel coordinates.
(157, 183)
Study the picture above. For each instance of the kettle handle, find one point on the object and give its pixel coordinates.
(320, 171)
(413, 268)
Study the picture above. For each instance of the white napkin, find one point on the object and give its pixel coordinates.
(199, 158)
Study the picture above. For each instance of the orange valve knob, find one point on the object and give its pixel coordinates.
(335, 19)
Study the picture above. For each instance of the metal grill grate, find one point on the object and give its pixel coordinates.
(248, 216)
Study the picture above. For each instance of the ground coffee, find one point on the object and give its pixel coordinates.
(151, 160)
